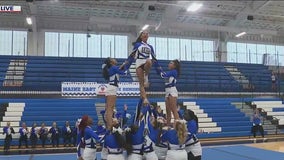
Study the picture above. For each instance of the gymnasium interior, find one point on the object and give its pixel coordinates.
(231, 55)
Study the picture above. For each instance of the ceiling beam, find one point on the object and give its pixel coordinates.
(181, 26)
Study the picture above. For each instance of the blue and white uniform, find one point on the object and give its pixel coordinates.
(114, 73)
(137, 143)
(55, 133)
(33, 137)
(101, 132)
(80, 145)
(192, 143)
(142, 51)
(150, 149)
(23, 136)
(170, 82)
(176, 151)
(8, 138)
(114, 150)
(90, 138)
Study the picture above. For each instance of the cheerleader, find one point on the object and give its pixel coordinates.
(67, 134)
(23, 135)
(43, 132)
(143, 53)
(115, 143)
(80, 141)
(152, 139)
(111, 73)
(8, 131)
(88, 137)
(170, 89)
(55, 134)
(192, 145)
(176, 138)
(135, 137)
(34, 135)
(101, 131)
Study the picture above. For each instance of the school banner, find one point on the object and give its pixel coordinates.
(78, 89)
(124, 89)
(94, 89)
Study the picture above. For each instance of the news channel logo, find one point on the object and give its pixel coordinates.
(10, 9)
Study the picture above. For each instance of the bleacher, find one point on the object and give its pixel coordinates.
(275, 109)
(217, 116)
(47, 111)
(231, 120)
(47, 73)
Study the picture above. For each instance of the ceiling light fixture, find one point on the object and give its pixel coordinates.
(241, 34)
(194, 7)
(145, 27)
(29, 20)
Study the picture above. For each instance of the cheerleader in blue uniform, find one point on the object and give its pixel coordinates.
(90, 138)
(80, 141)
(170, 88)
(43, 132)
(153, 147)
(23, 135)
(34, 135)
(8, 131)
(176, 138)
(55, 134)
(135, 137)
(111, 73)
(192, 145)
(143, 53)
(115, 143)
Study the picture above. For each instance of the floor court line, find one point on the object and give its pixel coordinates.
(224, 152)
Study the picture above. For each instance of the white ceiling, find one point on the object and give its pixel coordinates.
(129, 16)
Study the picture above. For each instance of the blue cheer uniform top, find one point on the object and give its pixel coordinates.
(142, 51)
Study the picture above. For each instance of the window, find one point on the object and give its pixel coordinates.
(51, 44)
(232, 52)
(79, 45)
(174, 49)
(241, 53)
(254, 53)
(207, 51)
(197, 52)
(183, 49)
(161, 49)
(13, 42)
(120, 47)
(94, 46)
(19, 43)
(66, 45)
(107, 46)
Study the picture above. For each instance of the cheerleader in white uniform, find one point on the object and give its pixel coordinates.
(152, 147)
(143, 53)
(176, 138)
(111, 73)
(170, 88)
(115, 143)
(135, 137)
(192, 145)
(90, 138)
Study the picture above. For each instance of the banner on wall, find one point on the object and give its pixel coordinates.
(94, 89)
(78, 89)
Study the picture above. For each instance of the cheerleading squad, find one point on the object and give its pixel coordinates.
(53, 134)
(149, 137)
(152, 135)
